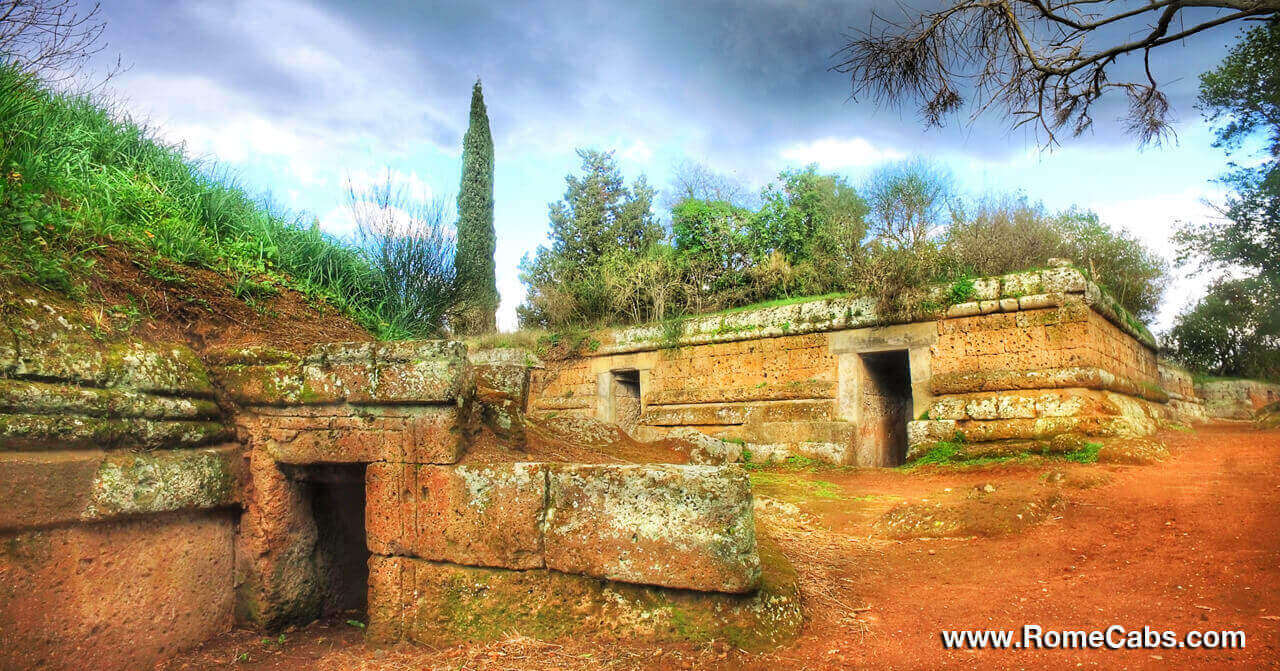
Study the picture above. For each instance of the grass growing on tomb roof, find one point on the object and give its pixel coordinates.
(78, 175)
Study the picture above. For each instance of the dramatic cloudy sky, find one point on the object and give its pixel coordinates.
(298, 96)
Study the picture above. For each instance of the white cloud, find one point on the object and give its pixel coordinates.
(833, 153)
(637, 151)
(1152, 220)
(338, 222)
(413, 184)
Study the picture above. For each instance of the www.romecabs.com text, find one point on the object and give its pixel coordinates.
(1114, 637)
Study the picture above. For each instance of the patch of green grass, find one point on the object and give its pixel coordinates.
(943, 452)
(961, 291)
(778, 302)
(78, 175)
(794, 487)
(1087, 454)
(951, 454)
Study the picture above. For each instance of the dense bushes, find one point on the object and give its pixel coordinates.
(812, 234)
(1231, 331)
(76, 175)
(1234, 330)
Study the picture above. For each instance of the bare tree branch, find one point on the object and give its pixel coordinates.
(1030, 58)
(51, 39)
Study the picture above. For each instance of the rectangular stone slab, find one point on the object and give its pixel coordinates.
(689, 527)
(358, 434)
(56, 487)
(487, 515)
(440, 604)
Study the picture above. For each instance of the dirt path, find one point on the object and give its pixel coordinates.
(1190, 544)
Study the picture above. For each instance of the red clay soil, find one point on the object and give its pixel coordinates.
(199, 307)
(1189, 544)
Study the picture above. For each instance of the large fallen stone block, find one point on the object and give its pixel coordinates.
(475, 515)
(689, 527)
(445, 604)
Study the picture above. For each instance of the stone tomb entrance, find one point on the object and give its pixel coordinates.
(884, 375)
(887, 404)
(336, 497)
(624, 395)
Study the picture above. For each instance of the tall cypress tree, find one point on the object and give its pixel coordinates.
(477, 286)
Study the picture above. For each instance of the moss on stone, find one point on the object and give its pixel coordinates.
(453, 604)
(136, 483)
(23, 431)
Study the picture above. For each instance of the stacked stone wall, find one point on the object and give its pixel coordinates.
(1038, 374)
(118, 484)
(341, 403)
(466, 552)
(433, 522)
(1185, 404)
(1031, 356)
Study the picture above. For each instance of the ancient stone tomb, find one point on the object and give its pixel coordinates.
(1011, 362)
(153, 498)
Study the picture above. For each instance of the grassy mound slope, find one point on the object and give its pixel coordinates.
(81, 185)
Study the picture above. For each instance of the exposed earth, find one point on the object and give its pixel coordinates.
(1189, 544)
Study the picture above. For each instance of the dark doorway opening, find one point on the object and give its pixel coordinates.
(887, 404)
(341, 555)
(625, 389)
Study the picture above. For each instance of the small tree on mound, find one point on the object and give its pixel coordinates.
(477, 285)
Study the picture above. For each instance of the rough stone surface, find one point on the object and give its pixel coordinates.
(708, 449)
(1268, 417)
(689, 527)
(413, 372)
(502, 390)
(23, 396)
(119, 595)
(1237, 399)
(445, 604)
(276, 578)
(49, 343)
(357, 434)
(46, 488)
(487, 515)
(62, 432)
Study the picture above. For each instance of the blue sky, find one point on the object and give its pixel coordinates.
(297, 96)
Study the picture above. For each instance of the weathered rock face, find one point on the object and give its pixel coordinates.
(1237, 399)
(115, 595)
(47, 488)
(429, 434)
(689, 527)
(1185, 404)
(1268, 417)
(377, 373)
(475, 515)
(502, 389)
(705, 449)
(444, 604)
(1034, 416)
(117, 482)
